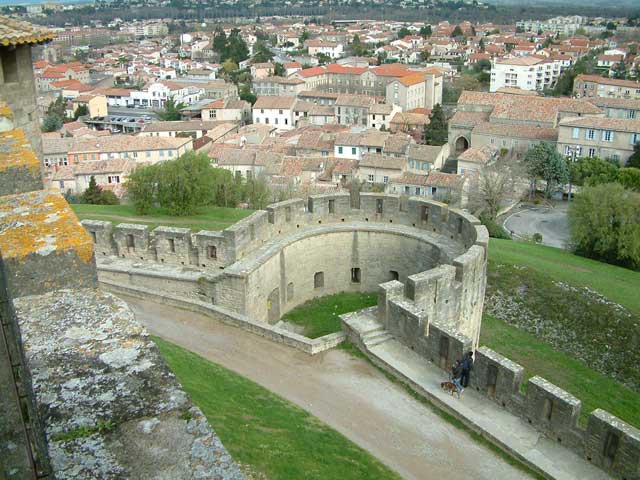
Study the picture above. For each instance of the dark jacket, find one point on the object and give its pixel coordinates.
(467, 362)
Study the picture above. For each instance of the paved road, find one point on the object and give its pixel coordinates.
(344, 392)
(551, 222)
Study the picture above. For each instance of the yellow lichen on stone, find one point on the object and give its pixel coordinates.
(16, 151)
(5, 110)
(41, 223)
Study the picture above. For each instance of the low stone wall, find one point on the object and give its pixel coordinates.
(607, 441)
(304, 344)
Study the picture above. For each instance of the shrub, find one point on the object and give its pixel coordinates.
(495, 230)
(537, 237)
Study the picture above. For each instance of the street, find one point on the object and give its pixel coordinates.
(551, 222)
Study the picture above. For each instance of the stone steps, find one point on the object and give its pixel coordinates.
(376, 337)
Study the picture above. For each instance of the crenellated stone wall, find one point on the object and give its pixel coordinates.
(607, 441)
(280, 257)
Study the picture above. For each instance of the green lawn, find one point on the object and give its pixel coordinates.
(209, 218)
(265, 432)
(618, 284)
(320, 316)
(565, 334)
(594, 389)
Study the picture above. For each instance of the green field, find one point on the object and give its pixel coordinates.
(209, 218)
(581, 315)
(619, 284)
(273, 437)
(594, 389)
(320, 316)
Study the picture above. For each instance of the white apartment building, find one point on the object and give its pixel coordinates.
(332, 49)
(526, 73)
(275, 110)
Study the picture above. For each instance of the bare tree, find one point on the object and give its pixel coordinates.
(495, 184)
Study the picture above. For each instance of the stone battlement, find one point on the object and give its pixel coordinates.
(607, 441)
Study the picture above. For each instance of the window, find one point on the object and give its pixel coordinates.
(417, 190)
(353, 150)
(162, 153)
(318, 280)
(113, 179)
(9, 66)
(385, 179)
(172, 245)
(592, 152)
(370, 178)
(591, 134)
(576, 133)
(340, 150)
(635, 138)
(607, 136)
(394, 275)
(286, 121)
(332, 206)
(212, 252)
(355, 275)
(275, 121)
(130, 241)
(379, 205)
(280, 112)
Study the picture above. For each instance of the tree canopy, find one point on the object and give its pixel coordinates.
(96, 195)
(544, 162)
(171, 110)
(604, 223)
(436, 131)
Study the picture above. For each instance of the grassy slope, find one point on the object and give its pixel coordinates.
(266, 432)
(618, 284)
(594, 389)
(320, 315)
(209, 218)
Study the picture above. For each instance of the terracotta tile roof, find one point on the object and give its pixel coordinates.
(412, 79)
(72, 84)
(344, 166)
(409, 119)
(605, 102)
(516, 131)
(411, 179)
(182, 125)
(480, 155)
(425, 153)
(128, 143)
(16, 32)
(312, 72)
(608, 81)
(468, 119)
(445, 180)
(274, 102)
(397, 143)
(350, 100)
(121, 165)
(603, 123)
(378, 160)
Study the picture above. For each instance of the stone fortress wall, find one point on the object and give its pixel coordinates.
(427, 261)
(280, 257)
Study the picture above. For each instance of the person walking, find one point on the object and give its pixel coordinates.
(467, 365)
(456, 375)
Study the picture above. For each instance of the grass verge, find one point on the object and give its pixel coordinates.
(594, 389)
(320, 316)
(208, 218)
(264, 431)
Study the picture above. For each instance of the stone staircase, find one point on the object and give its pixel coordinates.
(375, 337)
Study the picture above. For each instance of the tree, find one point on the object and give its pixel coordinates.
(229, 66)
(634, 159)
(620, 71)
(219, 40)
(171, 111)
(425, 31)
(481, 44)
(493, 185)
(629, 178)
(95, 195)
(262, 53)
(279, 70)
(593, 171)
(604, 223)
(435, 132)
(403, 32)
(424, 55)
(257, 192)
(51, 123)
(457, 32)
(304, 36)
(357, 47)
(237, 49)
(544, 162)
(80, 111)
(247, 95)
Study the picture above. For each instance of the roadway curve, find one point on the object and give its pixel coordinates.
(344, 392)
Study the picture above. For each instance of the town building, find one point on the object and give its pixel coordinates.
(526, 73)
(590, 86)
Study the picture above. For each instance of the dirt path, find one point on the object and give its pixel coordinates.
(344, 392)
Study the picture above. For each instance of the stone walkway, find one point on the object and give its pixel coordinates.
(489, 419)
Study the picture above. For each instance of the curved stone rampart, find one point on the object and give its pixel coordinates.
(280, 257)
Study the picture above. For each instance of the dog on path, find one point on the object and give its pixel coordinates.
(450, 388)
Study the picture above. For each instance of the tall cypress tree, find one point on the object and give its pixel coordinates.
(436, 131)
